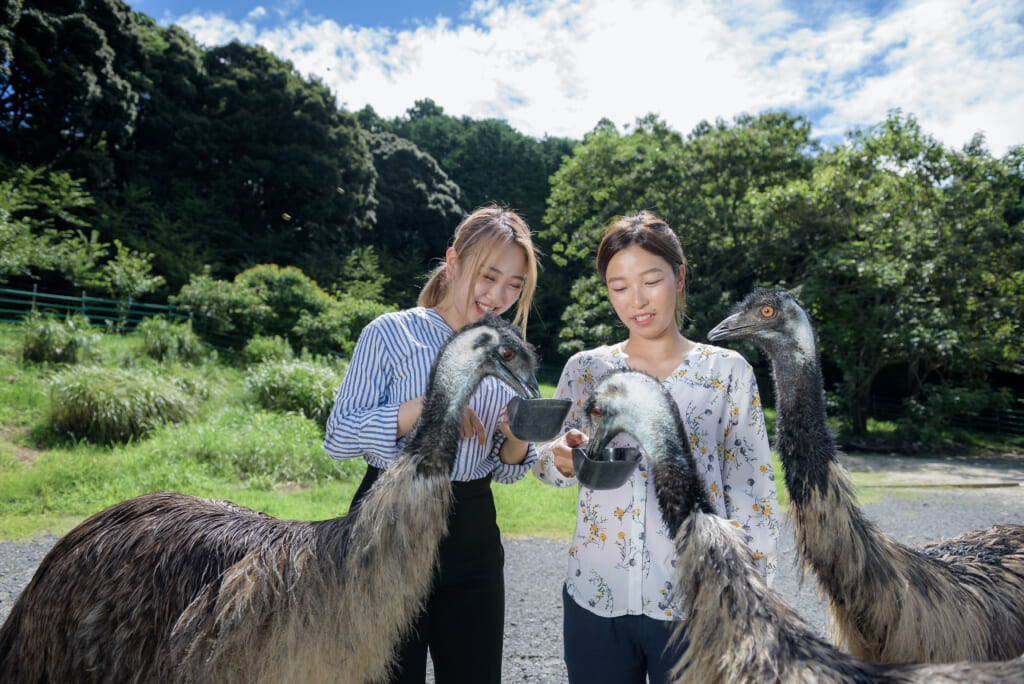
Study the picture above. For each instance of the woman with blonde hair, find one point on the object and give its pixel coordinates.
(490, 266)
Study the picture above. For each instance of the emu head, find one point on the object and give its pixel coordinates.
(634, 402)
(490, 346)
(774, 320)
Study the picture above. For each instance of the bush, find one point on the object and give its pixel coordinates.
(258, 448)
(304, 386)
(336, 330)
(105, 405)
(166, 340)
(287, 292)
(230, 307)
(49, 340)
(267, 348)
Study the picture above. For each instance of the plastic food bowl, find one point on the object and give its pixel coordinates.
(536, 420)
(610, 470)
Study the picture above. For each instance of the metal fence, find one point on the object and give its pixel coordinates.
(1008, 421)
(120, 316)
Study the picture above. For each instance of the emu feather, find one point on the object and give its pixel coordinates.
(168, 587)
(737, 630)
(954, 599)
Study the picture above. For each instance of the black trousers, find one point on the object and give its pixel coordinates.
(464, 621)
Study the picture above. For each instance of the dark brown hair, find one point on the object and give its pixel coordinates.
(649, 232)
(477, 239)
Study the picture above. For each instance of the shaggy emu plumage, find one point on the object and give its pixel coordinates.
(737, 630)
(172, 588)
(955, 599)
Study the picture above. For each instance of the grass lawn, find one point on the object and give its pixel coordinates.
(231, 448)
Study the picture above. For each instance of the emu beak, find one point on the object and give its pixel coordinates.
(523, 381)
(599, 440)
(736, 325)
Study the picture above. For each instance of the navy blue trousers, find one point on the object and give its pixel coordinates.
(463, 625)
(619, 650)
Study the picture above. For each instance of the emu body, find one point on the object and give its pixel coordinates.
(168, 587)
(951, 600)
(737, 630)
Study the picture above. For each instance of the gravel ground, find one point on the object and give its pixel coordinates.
(534, 569)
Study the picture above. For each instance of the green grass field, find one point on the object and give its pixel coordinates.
(270, 460)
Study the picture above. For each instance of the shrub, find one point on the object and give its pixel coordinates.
(230, 307)
(105, 405)
(166, 340)
(287, 292)
(336, 330)
(267, 348)
(48, 339)
(258, 448)
(304, 386)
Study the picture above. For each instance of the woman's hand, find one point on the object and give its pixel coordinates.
(514, 450)
(562, 450)
(472, 425)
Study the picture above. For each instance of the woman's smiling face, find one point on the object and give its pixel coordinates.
(495, 288)
(642, 288)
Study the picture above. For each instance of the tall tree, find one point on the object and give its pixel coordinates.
(418, 207)
(67, 91)
(912, 258)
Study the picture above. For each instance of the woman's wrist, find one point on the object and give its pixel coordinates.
(513, 451)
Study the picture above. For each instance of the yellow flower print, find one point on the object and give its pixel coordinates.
(619, 513)
(573, 550)
(593, 528)
(636, 511)
(757, 508)
(622, 535)
(758, 555)
(604, 537)
(714, 487)
(668, 612)
(735, 523)
(764, 469)
(757, 401)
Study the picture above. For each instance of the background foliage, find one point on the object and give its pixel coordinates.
(136, 163)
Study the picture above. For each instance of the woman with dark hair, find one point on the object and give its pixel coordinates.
(490, 267)
(620, 605)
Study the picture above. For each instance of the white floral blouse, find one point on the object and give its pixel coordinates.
(621, 557)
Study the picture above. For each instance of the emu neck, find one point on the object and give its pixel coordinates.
(680, 491)
(442, 409)
(803, 437)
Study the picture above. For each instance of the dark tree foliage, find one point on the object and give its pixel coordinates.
(418, 207)
(239, 161)
(68, 95)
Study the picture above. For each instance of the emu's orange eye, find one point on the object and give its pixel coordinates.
(767, 311)
(596, 410)
(506, 353)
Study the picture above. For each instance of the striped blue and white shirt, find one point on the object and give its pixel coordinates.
(391, 365)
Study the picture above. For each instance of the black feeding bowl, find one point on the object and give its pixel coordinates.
(536, 420)
(609, 470)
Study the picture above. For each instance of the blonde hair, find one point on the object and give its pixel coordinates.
(477, 239)
(651, 233)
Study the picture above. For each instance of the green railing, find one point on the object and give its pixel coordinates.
(120, 316)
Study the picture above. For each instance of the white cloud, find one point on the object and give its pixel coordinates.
(558, 66)
(257, 13)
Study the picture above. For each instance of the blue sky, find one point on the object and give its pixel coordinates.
(557, 67)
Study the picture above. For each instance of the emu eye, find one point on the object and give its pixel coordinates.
(595, 410)
(506, 353)
(767, 311)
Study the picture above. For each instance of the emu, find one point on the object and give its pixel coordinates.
(955, 599)
(173, 588)
(736, 629)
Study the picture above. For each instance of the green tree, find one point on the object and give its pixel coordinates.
(914, 266)
(67, 92)
(41, 219)
(418, 207)
(700, 184)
